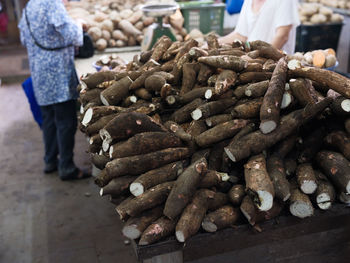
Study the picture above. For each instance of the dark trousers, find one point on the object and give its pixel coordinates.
(59, 127)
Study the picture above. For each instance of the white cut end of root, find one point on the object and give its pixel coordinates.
(101, 152)
(308, 186)
(133, 99)
(344, 198)
(105, 146)
(248, 92)
(267, 126)
(286, 87)
(91, 140)
(180, 236)
(208, 94)
(229, 154)
(209, 226)
(170, 99)
(196, 114)
(286, 100)
(87, 117)
(301, 209)
(136, 189)
(345, 105)
(111, 152)
(323, 201)
(105, 136)
(266, 200)
(101, 192)
(294, 64)
(103, 100)
(83, 86)
(208, 122)
(81, 109)
(348, 188)
(131, 232)
(224, 176)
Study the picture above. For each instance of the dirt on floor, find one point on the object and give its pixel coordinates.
(43, 219)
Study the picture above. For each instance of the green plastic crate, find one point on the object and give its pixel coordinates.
(205, 16)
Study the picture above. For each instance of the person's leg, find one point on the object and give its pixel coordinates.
(66, 123)
(50, 138)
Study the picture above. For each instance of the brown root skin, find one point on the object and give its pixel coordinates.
(213, 178)
(189, 76)
(154, 83)
(325, 193)
(256, 142)
(145, 142)
(340, 141)
(250, 77)
(341, 106)
(125, 125)
(143, 94)
(217, 119)
(154, 177)
(178, 131)
(220, 132)
(139, 164)
(116, 92)
(192, 216)
(312, 144)
(163, 44)
(184, 188)
(253, 67)
(249, 109)
(184, 114)
(212, 108)
(90, 96)
(337, 168)
(223, 217)
(225, 61)
(257, 90)
(151, 198)
(99, 161)
(236, 194)
(161, 228)
(135, 226)
(277, 174)
(306, 178)
(219, 200)
(303, 91)
(92, 80)
(118, 186)
(225, 79)
(270, 108)
(325, 78)
(259, 183)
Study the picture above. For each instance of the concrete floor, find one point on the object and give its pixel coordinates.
(43, 219)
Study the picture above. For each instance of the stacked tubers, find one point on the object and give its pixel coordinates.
(316, 13)
(183, 160)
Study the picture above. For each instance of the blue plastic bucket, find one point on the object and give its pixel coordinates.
(234, 6)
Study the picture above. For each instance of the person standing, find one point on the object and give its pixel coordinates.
(273, 21)
(50, 35)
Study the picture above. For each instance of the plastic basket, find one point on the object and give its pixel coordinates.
(312, 37)
(205, 16)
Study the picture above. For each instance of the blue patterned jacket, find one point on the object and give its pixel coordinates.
(53, 73)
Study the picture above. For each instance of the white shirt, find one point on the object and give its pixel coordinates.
(263, 25)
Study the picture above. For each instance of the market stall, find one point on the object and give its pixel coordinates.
(192, 140)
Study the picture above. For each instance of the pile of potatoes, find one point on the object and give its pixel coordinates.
(317, 58)
(316, 13)
(343, 4)
(115, 23)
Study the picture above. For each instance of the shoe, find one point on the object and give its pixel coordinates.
(76, 175)
(50, 168)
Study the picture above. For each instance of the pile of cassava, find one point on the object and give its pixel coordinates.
(117, 23)
(189, 138)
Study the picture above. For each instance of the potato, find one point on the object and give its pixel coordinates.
(139, 25)
(337, 18)
(112, 43)
(132, 41)
(179, 37)
(147, 20)
(119, 35)
(298, 55)
(100, 16)
(308, 58)
(331, 60)
(308, 9)
(107, 25)
(135, 17)
(126, 13)
(318, 19)
(106, 35)
(325, 11)
(95, 33)
(114, 16)
(120, 43)
(101, 44)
